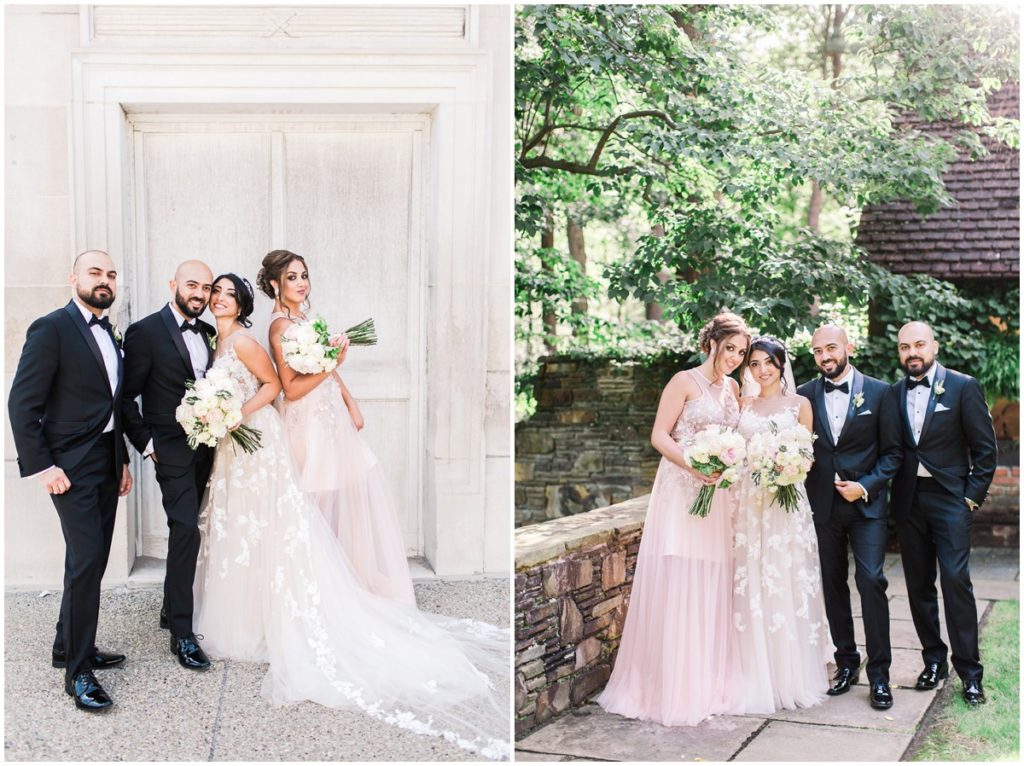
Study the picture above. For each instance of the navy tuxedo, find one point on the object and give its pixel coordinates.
(157, 367)
(957, 446)
(867, 451)
(61, 401)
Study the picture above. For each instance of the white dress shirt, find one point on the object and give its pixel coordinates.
(917, 408)
(837, 403)
(110, 354)
(194, 342)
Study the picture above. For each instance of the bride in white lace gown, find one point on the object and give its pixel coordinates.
(273, 586)
(778, 607)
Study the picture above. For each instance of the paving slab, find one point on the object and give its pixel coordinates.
(161, 712)
(783, 741)
(996, 590)
(164, 712)
(523, 755)
(853, 710)
(599, 735)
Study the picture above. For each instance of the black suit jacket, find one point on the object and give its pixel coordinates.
(868, 450)
(957, 445)
(157, 365)
(60, 399)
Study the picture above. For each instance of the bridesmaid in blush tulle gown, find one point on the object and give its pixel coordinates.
(335, 465)
(674, 664)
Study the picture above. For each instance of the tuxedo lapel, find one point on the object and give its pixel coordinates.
(901, 396)
(940, 377)
(856, 387)
(170, 321)
(90, 340)
(820, 412)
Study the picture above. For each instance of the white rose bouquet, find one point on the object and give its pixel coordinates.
(714, 449)
(308, 349)
(211, 408)
(779, 461)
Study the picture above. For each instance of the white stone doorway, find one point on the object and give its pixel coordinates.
(344, 190)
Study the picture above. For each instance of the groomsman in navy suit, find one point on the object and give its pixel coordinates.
(65, 410)
(949, 459)
(856, 453)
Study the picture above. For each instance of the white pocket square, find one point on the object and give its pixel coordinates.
(866, 412)
(940, 407)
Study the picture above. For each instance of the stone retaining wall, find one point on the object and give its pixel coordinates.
(573, 578)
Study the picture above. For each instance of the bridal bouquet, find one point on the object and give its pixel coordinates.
(308, 349)
(211, 407)
(779, 460)
(714, 449)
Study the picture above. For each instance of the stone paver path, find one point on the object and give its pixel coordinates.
(163, 712)
(842, 728)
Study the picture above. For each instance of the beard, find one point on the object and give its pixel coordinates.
(181, 303)
(926, 364)
(839, 369)
(90, 298)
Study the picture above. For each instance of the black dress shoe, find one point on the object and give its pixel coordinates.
(974, 695)
(164, 625)
(881, 695)
(931, 675)
(99, 659)
(190, 655)
(88, 693)
(845, 678)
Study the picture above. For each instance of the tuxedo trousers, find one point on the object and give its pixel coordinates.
(181, 490)
(849, 529)
(87, 512)
(937, 530)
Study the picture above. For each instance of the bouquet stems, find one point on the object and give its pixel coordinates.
(246, 437)
(702, 505)
(362, 334)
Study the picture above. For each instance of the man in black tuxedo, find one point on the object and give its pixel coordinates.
(855, 455)
(949, 459)
(65, 410)
(162, 352)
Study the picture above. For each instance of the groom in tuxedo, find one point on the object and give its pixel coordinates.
(949, 459)
(65, 411)
(856, 453)
(162, 352)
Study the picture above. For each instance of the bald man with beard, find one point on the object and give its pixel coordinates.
(856, 453)
(162, 352)
(949, 460)
(65, 414)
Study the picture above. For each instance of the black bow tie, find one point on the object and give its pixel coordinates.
(912, 384)
(830, 387)
(190, 327)
(101, 321)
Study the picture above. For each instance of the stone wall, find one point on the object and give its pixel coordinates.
(573, 578)
(588, 444)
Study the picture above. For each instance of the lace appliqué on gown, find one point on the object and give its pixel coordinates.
(778, 608)
(273, 585)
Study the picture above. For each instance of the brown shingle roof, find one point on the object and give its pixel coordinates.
(980, 236)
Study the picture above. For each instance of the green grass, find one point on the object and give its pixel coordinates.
(992, 731)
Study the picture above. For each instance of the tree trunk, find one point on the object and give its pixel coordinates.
(653, 310)
(547, 241)
(578, 252)
(832, 53)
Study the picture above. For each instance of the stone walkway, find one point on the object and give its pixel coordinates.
(163, 712)
(843, 728)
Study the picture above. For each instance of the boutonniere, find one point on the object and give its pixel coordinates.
(858, 400)
(211, 341)
(939, 389)
(116, 334)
